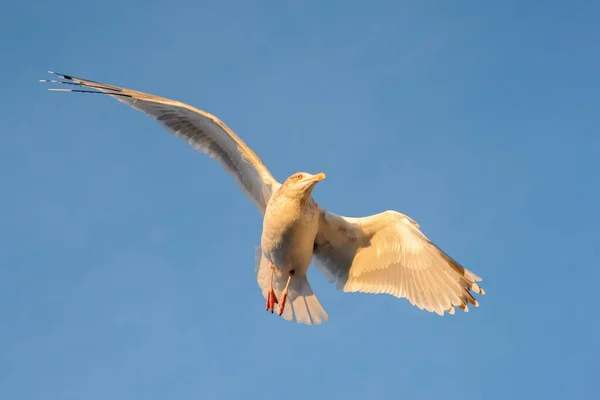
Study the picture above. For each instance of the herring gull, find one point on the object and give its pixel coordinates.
(381, 253)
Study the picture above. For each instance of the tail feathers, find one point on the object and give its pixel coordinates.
(305, 307)
(302, 304)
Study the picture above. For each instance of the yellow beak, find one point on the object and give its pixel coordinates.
(319, 177)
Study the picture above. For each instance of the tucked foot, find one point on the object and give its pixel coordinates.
(271, 298)
(285, 293)
(282, 305)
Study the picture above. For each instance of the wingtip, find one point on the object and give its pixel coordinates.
(477, 289)
(88, 91)
(61, 75)
(59, 81)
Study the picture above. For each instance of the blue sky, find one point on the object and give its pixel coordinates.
(126, 263)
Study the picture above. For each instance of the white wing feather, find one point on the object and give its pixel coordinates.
(202, 130)
(387, 253)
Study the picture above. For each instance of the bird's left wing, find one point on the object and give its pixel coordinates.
(387, 253)
(203, 131)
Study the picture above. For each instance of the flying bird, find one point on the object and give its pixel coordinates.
(381, 253)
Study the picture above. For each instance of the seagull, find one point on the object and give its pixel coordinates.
(381, 253)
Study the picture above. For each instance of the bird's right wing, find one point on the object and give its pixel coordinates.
(203, 131)
(387, 253)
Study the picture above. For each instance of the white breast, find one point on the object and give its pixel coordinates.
(289, 231)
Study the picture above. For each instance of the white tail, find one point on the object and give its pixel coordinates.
(302, 304)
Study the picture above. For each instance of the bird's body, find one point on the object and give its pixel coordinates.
(291, 224)
(290, 227)
(289, 230)
(381, 253)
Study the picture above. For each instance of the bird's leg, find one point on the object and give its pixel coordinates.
(271, 298)
(285, 293)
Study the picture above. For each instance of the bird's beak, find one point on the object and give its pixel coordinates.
(318, 177)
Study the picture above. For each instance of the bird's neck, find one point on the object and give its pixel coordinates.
(290, 207)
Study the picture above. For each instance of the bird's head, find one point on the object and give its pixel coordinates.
(302, 183)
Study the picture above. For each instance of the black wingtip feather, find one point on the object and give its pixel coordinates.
(88, 82)
(89, 91)
(71, 80)
(61, 75)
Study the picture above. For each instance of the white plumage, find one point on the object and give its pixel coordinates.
(382, 253)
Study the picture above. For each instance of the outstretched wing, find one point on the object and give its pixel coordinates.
(203, 131)
(387, 253)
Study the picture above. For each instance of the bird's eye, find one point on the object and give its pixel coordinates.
(298, 176)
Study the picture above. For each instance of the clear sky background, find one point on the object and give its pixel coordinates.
(126, 258)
